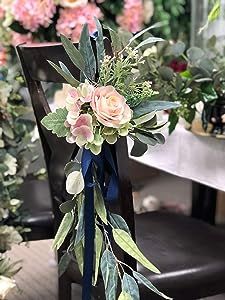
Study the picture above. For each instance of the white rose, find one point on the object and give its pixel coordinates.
(73, 3)
(6, 285)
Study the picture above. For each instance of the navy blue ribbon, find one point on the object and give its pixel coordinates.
(103, 162)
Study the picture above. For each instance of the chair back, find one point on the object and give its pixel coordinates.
(57, 151)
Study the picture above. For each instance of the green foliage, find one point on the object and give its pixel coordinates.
(175, 14)
(64, 263)
(109, 274)
(125, 242)
(129, 286)
(63, 230)
(55, 122)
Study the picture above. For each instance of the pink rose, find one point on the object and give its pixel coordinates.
(82, 131)
(110, 107)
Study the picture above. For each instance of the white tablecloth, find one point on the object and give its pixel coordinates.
(184, 154)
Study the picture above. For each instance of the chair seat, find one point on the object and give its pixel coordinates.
(38, 214)
(189, 253)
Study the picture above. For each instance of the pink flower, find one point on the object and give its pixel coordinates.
(71, 20)
(3, 56)
(82, 131)
(33, 13)
(132, 17)
(18, 38)
(110, 107)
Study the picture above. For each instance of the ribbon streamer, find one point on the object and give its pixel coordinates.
(104, 161)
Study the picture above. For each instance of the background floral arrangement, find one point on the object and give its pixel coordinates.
(16, 154)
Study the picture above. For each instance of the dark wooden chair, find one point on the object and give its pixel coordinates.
(189, 253)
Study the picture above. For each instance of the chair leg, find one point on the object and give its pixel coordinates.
(64, 288)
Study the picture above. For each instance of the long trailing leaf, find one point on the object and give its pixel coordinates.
(100, 205)
(86, 50)
(54, 121)
(144, 118)
(215, 11)
(79, 254)
(137, 35)
(73, 53)
(124, 296)
(138, 149)
(146, 139)
(71, 80)
(125, 242)
(148, 106)
(63, 230)
(118, 222)
(150, 40)
(129, 285)
(64, 263)
(149, 285)
(99, 44)
(109, 274)
(80, 225)
(98, 250)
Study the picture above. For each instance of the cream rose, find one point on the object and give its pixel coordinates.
(110, 107)
(73, 3)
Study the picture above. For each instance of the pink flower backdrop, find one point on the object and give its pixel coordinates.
(44, 20)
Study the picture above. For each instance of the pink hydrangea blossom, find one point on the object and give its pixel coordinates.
(33, 13)
(18, 38)
(132, 17)
(3, 56)
(82, 131)
(71, 20)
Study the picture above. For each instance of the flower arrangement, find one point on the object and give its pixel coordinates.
(97, 112)
(15, 157)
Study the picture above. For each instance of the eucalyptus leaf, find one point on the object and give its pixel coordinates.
(146, 139)
(7, 129)
(166, 73)
(71, 80)
(173, 120)
(137, 35)
(67, 206)
(159, 137)
(125, 242)
(148, 106)
(87, 53)
(138, 149)
(178, 48)
(194, 54)
(75, 183)
(63, 230)
(64, 263)
(129, 285)
(124, 296)
(71, 167)
(149, 285)
(79, 254)
(98, 250)
(100, 204)
(99, 44)
(73, 53)
(150, 40)
(144, 118)
(80, 226)
(118, 222)
(116, 42)
(109, 274)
